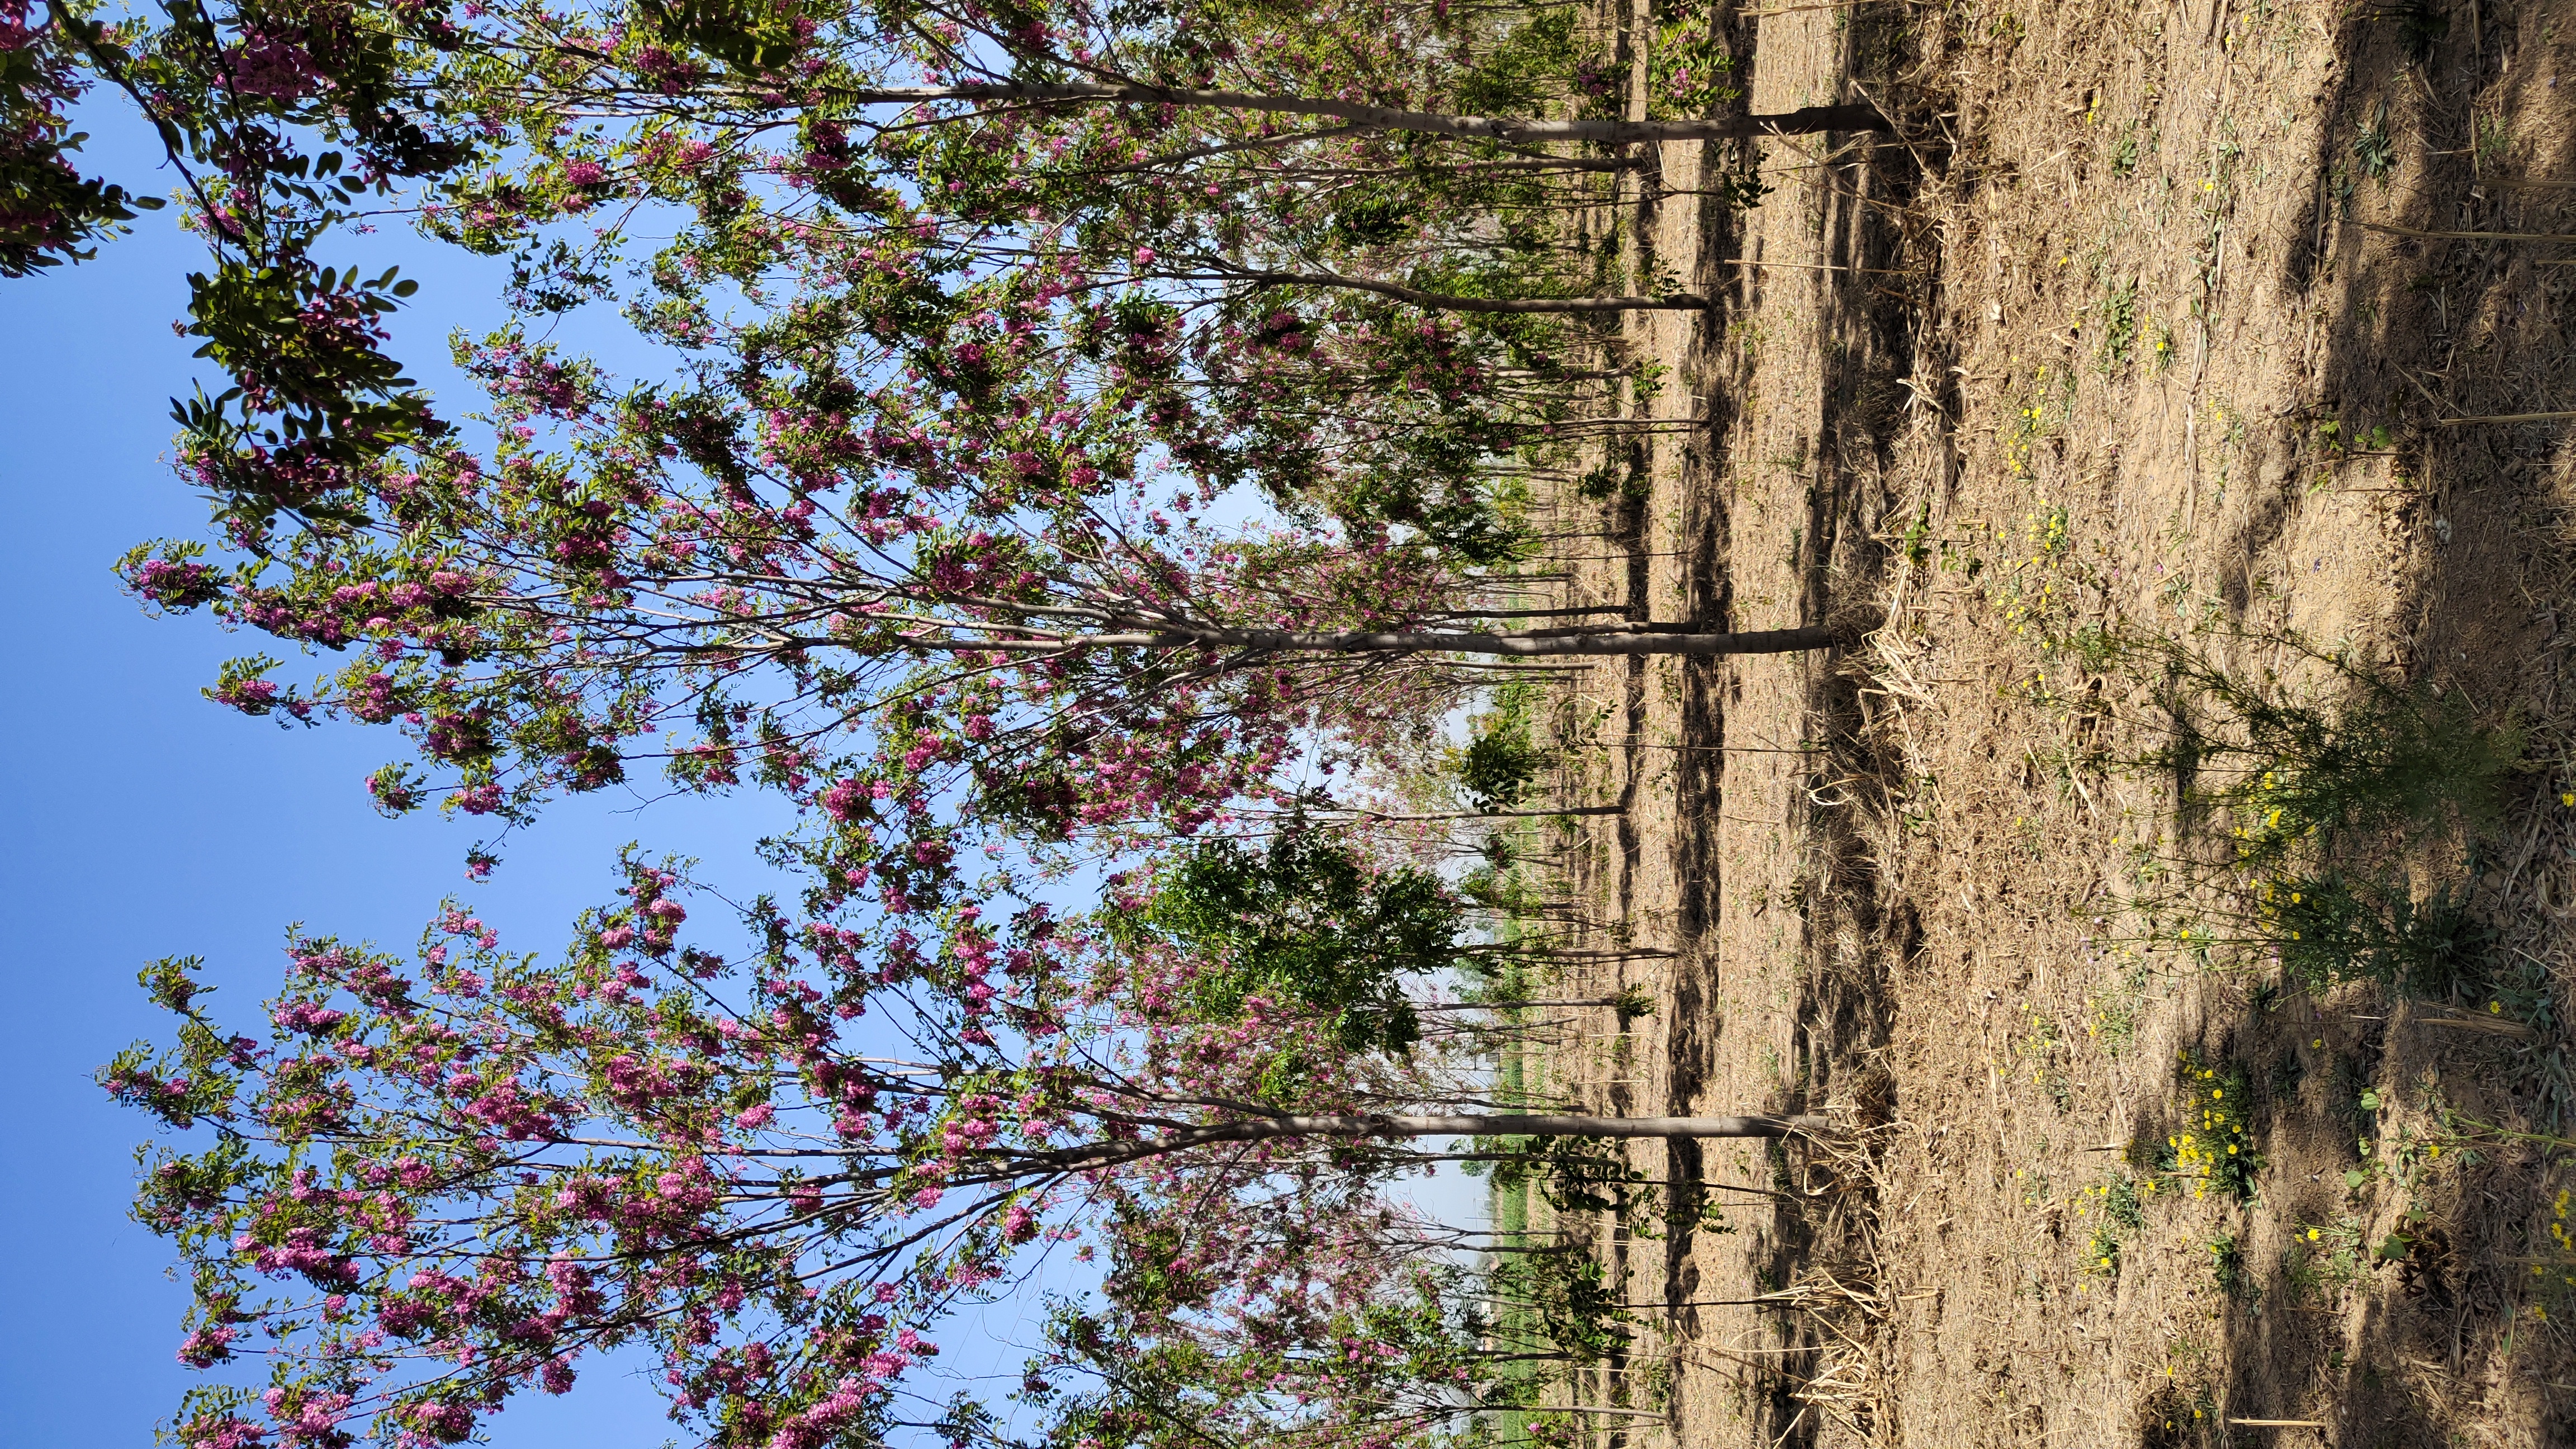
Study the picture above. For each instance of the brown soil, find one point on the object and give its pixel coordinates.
(2105, 338)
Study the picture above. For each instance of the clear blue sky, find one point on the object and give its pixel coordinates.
(145, 821)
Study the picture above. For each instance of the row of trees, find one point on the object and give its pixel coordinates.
(1053, 439)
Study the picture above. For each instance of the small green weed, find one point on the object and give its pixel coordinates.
(2114, 1016)
(2374, 439)
(2115, 1204)
(2373, 150)
(2124, 152)
(2493, 140)
(2324, 1258)
(2119, 325)
(2033, 1182)
(2102, 1255)
(2227, 1267)
(1742, 190)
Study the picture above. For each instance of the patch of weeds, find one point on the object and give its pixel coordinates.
(2227, 1268)
(2102, 1255)
(2033, 1184)
(2039, 1048)
(2331, 928)
(2112, 1017)
(2287, 1070)
(2553, 1271)
(1917, 534)
(2215, 1148)
(1628, 475)
(1742, 190)
(2331, 436)
(2119, 1210)
(2174, 1418)
(2119, 325)
(2323, 1258)
(2039, 414)
(2373, 150)
(2042, 584)
(2124, 151)
(2321, 790)
(2353, 1101)
(2384, 756)
(2493, 140)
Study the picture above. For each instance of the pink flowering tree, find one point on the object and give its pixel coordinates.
(433, 1184)
(967, 601)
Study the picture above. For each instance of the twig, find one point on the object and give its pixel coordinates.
(1819, 267)
(2530, 236)
(2507, 418)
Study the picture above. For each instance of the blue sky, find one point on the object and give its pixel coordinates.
(144, 821)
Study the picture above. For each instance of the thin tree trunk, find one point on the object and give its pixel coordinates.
(1499, 1124)
(1517, 1005)
(1452, 302)
(1806, 120)
(1648, 639)
(1488, 814)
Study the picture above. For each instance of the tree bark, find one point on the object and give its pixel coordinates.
(1516, 1005)
(1268, 1129)
(1451, 302)
(1665, 639)
(1806, 120)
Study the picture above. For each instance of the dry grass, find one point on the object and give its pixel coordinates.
(2150, 333)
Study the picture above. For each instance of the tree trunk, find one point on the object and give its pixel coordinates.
(1488, 814)
(1517, 1005)
(1269, 1129)
(1651, 639)
(1806, 120)
(1451, 302)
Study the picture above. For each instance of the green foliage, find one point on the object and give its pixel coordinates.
(2383, 757)
(1527, 68)
(1560, 1297)
(305, 345)
(1311, 920)
(2214, 1145)
(2332, 927)
(1504, 758)
(48, 209)
(2120, 1212)
(2373, 150)
(2119, 325)
(2227, 1268)
(1742, 190)
(2324, 1257)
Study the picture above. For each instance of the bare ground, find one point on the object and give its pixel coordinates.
(2132, 327)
